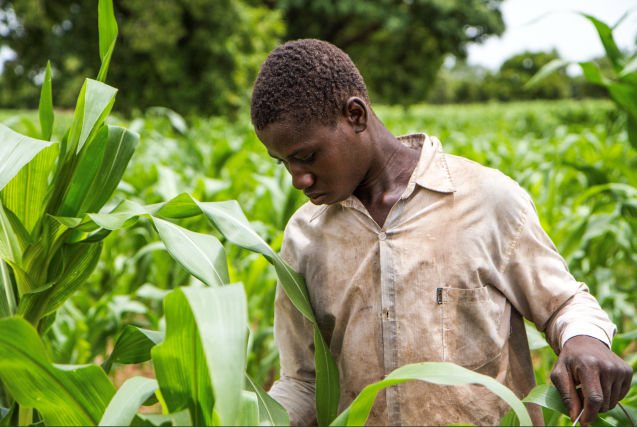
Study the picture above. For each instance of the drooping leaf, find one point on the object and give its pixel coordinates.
(126, 402)
(25, 194)
(46, 105)
(606, 36)
(437, 373)
(133, 346)
(202, 255)
(548, 397)
(546, 71)
(80, 259)
(63, 395)
(124, 215)
(180, 365)
(182, 206)
(271, 413)
(17, 151)
(249, 413)
(222, 320)
(229, 219)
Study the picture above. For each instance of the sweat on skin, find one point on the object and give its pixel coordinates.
(411, 255)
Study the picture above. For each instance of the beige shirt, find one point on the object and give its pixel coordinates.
(461, 258)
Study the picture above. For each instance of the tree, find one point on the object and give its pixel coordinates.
(398, 45)
(195, 56)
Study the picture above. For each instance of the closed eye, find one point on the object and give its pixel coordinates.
(308, 159)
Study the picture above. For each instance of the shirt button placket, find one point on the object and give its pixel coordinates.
(389, 324)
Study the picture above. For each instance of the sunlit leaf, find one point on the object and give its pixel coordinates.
(17, 151)
(126, 402)
(202, 255)
(437, 373)
(63, 395)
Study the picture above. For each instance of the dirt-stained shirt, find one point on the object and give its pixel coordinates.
(460, 260)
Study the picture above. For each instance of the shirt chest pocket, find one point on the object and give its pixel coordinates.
(474, 330)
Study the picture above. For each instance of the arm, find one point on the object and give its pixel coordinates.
(537, 282)
(294, 337)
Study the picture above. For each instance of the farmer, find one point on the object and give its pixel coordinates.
(413, 255)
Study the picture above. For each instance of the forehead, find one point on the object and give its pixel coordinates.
(283, 137)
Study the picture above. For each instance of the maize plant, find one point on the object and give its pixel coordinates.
(51, 232)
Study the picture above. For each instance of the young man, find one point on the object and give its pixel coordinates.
(411, 255)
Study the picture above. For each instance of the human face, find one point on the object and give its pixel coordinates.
(327, 163)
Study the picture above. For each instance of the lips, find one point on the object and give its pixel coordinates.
(315, 197)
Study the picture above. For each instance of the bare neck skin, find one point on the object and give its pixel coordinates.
(388, 175)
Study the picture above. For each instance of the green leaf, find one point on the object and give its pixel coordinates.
(181, 418)
(180, 365)
(230, 220)
(93, 106)
(107, 26)
(26, 193)
(249, 413)
(63, 395)
(124, 215)
(546, 71)
(271, 413)
(10, 246)
(222, 320)
(606, 36)
(182, 206)
(535, 338)
(46, 105)
(510, 419)
(7, 298)
(80, 259)
(133, 346)
(120, 147)
(106, 61)
(126, 402)
(631, 67)
(202, 255)
(437, 373)
(11, 417)
(17, 151)
(548, 397)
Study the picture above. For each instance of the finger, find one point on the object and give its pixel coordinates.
(565, 385)
(628, 379)
(614, 395)
(593, 397)
(607, 382)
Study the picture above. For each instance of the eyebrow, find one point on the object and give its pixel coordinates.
(293, 154)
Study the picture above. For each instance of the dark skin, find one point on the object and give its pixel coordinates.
(360, 156)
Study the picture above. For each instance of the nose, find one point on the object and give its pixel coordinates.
(301, 179)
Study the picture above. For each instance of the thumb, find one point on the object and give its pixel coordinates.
(565, 385)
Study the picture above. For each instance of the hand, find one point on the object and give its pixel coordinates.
(605, 378)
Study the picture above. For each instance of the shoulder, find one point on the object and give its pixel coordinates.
(485, 185)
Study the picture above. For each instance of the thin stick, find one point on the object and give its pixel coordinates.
(629, 419)
(577, 420)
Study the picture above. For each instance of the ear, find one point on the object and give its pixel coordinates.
(356, 113)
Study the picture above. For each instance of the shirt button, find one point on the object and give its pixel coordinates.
(382, 236)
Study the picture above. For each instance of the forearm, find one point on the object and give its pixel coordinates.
(298, 398)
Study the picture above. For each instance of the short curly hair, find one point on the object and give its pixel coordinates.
(306, 81)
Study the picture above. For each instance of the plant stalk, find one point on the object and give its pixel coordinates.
(25, 416)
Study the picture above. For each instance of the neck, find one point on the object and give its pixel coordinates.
(392, 165)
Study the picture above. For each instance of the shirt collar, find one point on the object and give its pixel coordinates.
(431, 171)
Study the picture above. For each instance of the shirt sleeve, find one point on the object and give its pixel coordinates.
(294, 337)
(537, 282)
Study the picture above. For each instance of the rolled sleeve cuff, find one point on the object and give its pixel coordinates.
(585, 328)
